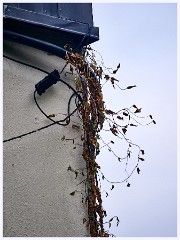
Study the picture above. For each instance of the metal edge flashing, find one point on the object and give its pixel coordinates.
(55, 30)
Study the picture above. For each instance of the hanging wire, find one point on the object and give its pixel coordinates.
(68, 110)
(60, 122)
(75, 93)
(86, 35)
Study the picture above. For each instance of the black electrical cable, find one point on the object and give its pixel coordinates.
(39, 69)
(77, 104)
(68, 112)
(36, 43)
(39, 129)
(50, 48)
(54, 122)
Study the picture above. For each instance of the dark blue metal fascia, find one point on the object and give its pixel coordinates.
(33, 42)
(56, 26)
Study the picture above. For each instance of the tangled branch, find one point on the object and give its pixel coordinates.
(89, 77)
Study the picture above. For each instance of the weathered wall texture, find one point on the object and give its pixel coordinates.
(37, 185)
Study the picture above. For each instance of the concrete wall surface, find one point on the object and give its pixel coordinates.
(36, 183)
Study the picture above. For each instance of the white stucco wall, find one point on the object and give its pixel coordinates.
(36, 183)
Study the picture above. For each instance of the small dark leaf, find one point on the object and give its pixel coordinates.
(150, 116)
(113, 129)
(69, 168)
(97, 136)
(107, 77)
(118, 66)
(128, 185)
(76, 173)
(129, 87)
(142, 159)
(103, 177)
(112, 142)
(114, 79)
(51, 115)
(120, 118)
(138, 170)
(97, 151)
(134, 106)
(105, 214)
(154, 122)
(109, 111)
(117, 222)
(107, 194)
(63, 138)
(124, 130)
(142, 151)
(112, 187)
(133, 125)
(72, 193)
(115, 71)
(125, 114)
(138, 110)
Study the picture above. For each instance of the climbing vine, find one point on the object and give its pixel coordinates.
(90, 76)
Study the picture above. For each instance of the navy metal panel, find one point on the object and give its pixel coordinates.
(42, 8)
(56, 22)
(30, 7)
(78, 11)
